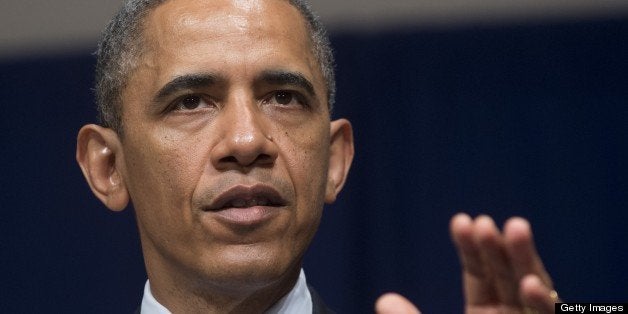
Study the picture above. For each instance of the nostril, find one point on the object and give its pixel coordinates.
(264, 159)
(260, 159)
(240, 147)
(229, 159)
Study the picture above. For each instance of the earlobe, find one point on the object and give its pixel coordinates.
(97, 151)
(340, 157)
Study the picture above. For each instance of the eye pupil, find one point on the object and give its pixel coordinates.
(283, 97)
(190, 102)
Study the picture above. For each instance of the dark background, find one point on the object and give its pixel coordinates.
(527, 119)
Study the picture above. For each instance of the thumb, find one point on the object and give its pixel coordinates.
(393, 303)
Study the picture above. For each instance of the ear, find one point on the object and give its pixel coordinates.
(340, 157)
(96, 152)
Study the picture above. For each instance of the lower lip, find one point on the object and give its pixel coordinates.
(247, 216)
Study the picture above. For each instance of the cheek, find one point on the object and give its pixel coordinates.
(163, 173)
(308, 158)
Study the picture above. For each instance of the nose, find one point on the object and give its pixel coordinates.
(245, 139)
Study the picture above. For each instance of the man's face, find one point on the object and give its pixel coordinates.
(226, 146)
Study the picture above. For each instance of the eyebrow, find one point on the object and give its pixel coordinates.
(204, 80)
(280, 77)
(188, 81)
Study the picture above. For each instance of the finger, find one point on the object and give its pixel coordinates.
(392, 303)
(478, 288)
(494, 255)
(536, 295)
(520, 247)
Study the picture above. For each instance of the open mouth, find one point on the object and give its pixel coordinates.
(243, 202)
(247, 197)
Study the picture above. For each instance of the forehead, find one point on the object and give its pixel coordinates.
(184, 36)
(203, 21)
(214, 13)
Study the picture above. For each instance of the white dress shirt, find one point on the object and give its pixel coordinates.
(298, 300)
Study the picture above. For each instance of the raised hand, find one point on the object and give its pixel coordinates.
(502, 272)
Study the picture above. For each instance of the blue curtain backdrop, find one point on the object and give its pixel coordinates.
(527, 120)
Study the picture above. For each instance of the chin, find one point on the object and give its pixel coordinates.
(254, 268)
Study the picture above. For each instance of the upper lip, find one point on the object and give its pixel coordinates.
(259, 192)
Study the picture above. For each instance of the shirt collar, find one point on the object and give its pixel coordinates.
(298, 300)
(149, 304)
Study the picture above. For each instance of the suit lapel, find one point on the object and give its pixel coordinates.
(318, 306)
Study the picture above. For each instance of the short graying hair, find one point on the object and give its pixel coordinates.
(121, 45)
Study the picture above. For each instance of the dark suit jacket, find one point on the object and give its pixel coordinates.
(318, 306)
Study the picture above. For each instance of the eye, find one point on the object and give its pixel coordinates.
(286, 98)
(283, 97)
(191, 102)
